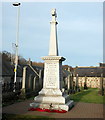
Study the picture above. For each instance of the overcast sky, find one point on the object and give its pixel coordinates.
(80, 31)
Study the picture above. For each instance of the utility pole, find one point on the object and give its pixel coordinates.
(17, 39)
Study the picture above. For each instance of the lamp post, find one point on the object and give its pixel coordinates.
(17, 39)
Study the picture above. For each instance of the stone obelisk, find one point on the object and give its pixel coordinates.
(51, 96)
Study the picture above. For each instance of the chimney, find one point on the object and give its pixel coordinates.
(29, 62)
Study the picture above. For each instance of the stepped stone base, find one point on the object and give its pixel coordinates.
(53, 99)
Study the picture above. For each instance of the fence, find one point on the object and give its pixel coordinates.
(10, 87)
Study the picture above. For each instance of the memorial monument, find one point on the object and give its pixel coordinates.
(51, 96)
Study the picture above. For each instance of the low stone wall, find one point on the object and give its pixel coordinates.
(93, 82)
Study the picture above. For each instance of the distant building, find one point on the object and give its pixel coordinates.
(7, 73)
(90, 75)
(102, 64)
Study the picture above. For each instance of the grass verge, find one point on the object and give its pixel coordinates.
(88, 96)
(24, 117)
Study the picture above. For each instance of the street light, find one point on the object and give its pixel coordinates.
(16, 4)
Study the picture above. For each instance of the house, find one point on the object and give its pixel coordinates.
(92, 76)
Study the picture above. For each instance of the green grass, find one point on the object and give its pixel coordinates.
(24, 117)
(88, 96)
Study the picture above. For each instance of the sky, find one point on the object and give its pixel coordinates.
(79, 31)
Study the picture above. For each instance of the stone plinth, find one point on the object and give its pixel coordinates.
(51, 93)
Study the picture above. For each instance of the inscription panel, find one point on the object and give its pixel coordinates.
(51, 72)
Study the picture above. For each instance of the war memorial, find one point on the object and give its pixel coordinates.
(51, 96)
(50, 89)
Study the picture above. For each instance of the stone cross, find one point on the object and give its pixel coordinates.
(54, 14)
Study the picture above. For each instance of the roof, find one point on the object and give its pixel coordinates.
(8, 68)
(65, 73)
(90, 71)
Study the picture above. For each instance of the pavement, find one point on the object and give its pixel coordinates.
(80, 110)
